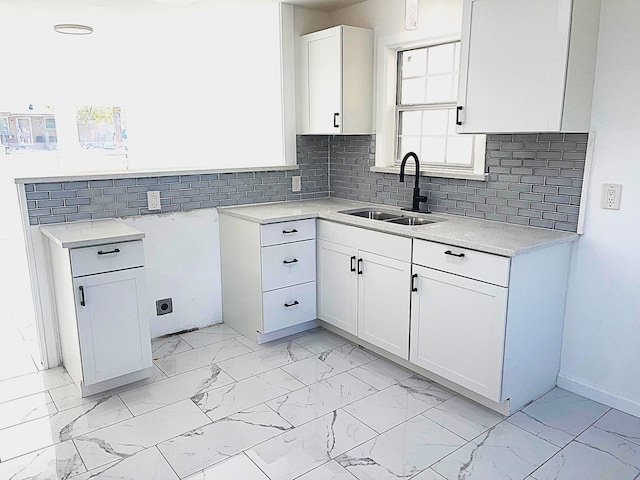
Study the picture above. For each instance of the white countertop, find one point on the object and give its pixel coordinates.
(487, 236)
(87, 234)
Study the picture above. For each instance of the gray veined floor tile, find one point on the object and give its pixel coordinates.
(213, 443)
(329, 471)
(201, 357)
(24, 409)
(401, 452)
(464, 417)
(329, 363)
(170, 345)
(33, 383)
(381, 373)
(208, 335)
(320, 398)
(165, 392)
(595, 455)
(254, 363)
(503, 452)
(558, 416)
(224, 401)
(58, 462)
(622, 425)
(398, 403)
(238, 467)
(430, 474)
(321, 341)
(147, 464)
(304, 448)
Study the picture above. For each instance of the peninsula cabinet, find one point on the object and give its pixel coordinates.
(527, 66)
(335, 81)
(364, 284)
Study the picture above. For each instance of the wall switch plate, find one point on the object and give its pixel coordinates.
(153, 201)
(611, 193)
(296, 183)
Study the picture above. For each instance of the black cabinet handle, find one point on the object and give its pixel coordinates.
(115, 250)
(360, 262)
(292, 304)
(289, 262)
(353, 263)
(82, 299)
(458, 110)
(286, 232)
(335, 120)
(414, 277)
(449, 252)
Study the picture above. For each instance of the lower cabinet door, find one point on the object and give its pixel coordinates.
(113, 326)
(458, 329)
(383, 302)
(338, 285)
(288, 306)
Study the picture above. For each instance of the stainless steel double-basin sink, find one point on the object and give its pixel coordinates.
(389, 217)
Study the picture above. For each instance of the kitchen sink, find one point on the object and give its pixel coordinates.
(389, 217)
(413, 221)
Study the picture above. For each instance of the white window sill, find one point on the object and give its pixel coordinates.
(433, 173)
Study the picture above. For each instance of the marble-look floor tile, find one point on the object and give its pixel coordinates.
(25, 409)
(165, 392)
(381, 373)
(58, 462)
(254, 363)
(622, 425)
(304, 448)
(169, 345)
(329, 363)
(59, 427)
(208, 335)
(33, 383)
(401, 452)
(126, 438)
(398, 402)
(213, 443)
(20, 363)
(224, 401)
(430, 474)
(321, 340)
(148, 464)
(505, 451)
(329, 471)
(464, 417)
(201, 357)
(558, 416)
(238, 467)
(320, 398)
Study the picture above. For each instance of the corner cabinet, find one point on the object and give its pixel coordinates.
(335, 81)
(527, 66)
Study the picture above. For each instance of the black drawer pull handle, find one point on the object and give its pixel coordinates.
(360, 262)
(449, 252)
(414, 277)
(353, 263)
(335, 120)
(458, 110)
(289, 262)
(289, 231)
(115, 250)
(292, 304)
(82, 299)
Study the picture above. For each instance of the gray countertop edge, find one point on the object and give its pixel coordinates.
(83, 234)
(552, 237)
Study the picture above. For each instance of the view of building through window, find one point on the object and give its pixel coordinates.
(102, 128)
(28, 128)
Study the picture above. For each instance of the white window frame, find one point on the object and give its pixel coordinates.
(386, 125)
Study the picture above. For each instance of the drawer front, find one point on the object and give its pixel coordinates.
(285, 232)
(106, 258)
(288, 306)
(461, 261)
(288, 264)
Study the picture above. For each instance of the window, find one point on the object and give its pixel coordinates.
(28, 129)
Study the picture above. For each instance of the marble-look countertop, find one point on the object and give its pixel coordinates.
(87, 234)
(486, 236)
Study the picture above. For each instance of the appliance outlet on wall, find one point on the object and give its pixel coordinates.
(611, 193)
(164, 306)
(153, 201)
(296, 183)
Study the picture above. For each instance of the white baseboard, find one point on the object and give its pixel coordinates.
(596, 394)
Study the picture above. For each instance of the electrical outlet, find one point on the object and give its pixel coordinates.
(153, 201)
(611, 193)
(296, 183)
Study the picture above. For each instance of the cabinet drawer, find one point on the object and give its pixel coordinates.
(289, 306)
(460, 261)
(285, 232)
(288, 264)
(106, 258)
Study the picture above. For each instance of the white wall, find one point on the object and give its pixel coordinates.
(601, 353)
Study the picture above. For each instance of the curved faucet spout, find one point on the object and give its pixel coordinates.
(417, 198)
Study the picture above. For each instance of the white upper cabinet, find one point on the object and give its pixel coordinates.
(527, 66)
(335, 81)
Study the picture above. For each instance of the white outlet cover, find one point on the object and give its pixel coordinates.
(611, 193)
(296, 183)
(153, 201)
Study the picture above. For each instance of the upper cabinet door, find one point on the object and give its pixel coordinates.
(527, 66)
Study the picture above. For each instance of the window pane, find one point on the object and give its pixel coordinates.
(440, 89)
(413, 91)
(410, 123)
(408, 144)
(434, 122)
(441, 58)
(102, 128)
(433, 149)
(460, 149)
(27, 129)
(414, 63)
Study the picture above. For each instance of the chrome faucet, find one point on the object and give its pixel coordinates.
(417, 198)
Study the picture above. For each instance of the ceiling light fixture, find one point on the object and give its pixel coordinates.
(73, 29)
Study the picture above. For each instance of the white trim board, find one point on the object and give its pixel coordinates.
(597, 394)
